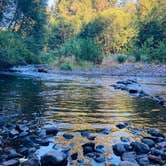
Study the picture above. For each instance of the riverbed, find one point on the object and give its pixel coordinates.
(75, 103)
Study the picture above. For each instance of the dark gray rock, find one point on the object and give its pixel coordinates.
(119, 149)
(12, 162)
(68, 136)
(144, 161)
(154, 133)
(13, 133)
(156, 159)
(162, 144)
(140, 148)
(54, 158)
(84, 134)
(105, 131)
(52, 131)
(88, 147)
(122, 125)
(127, 163)
(149, 142)
(129, 156)
(99, 159)
(74, 156)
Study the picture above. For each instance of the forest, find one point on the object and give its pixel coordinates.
(81, 32)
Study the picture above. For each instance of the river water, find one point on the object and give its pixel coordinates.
(81, 102)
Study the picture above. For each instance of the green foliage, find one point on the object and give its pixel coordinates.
(121, 58)
(150, 51)
(13, 51)
(82, 49)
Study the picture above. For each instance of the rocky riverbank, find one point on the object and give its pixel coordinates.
(126, 69)
(20, 141)
(134, 88)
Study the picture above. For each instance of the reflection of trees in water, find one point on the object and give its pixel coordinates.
(149, 114)
(20, 95)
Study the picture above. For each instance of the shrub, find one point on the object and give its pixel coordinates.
(150, 52)
(121, 58)
(82, 49)
(13, 51)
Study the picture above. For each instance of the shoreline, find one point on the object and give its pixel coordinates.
(119, 70)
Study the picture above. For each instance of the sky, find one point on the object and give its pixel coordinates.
(50, 2)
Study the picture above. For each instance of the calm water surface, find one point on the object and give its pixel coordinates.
(75, 103)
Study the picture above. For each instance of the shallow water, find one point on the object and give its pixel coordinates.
(75, 103)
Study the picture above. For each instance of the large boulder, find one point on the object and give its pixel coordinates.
(54, 158)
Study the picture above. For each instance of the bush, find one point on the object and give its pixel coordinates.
(121, 58)
(82, 49)
(149, 51)
(13, 51)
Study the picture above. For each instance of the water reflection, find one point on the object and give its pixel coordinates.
(78, 103)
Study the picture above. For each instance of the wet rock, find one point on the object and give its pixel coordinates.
(156, 152)
(127, 163)
(12, 162)
(74, 156)
(91, 137)
(11, 153)
(68, 136)
(156, 159)
(124, 139)
(134, 88)
(27, 142)
(32, 162)
(42, 70)
(100, 149)
(129, 156)
(162, 144)
(122, 125)
(42, 142)
(154, 133)
(144, 161)
(21, 128)
(54, 158)
(140, 148)
(2, 121)
(99, 159)
(23, 134)
(90, 155)
(105, 131)
(88, 147)
(80, 161)
(149, 142)
(119, 149)
(84, 134)
(24, 151)
(13, 133)
(52, 131)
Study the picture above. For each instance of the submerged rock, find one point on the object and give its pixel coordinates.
(52, 131)
(54, 158)
(122, 125)
(68, 136)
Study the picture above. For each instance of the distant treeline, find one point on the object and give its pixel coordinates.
(85, 30)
